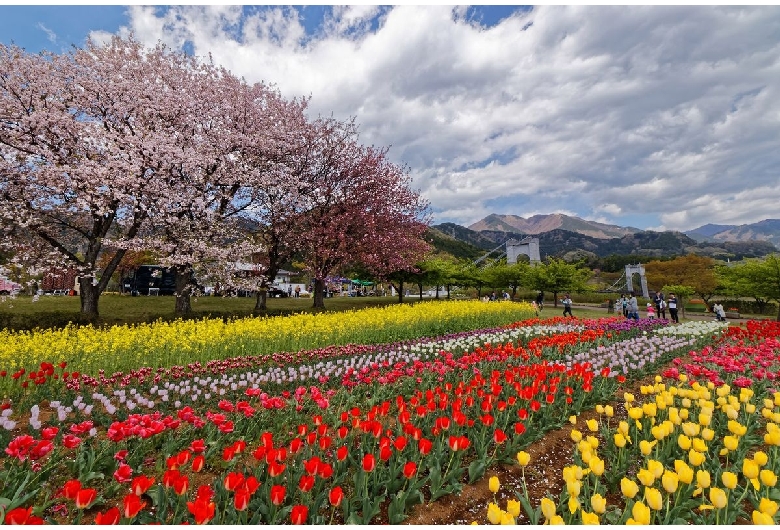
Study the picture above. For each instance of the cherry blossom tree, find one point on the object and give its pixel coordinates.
(87, 150)
(359, 208)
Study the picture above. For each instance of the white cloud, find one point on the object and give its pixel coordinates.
(602, 111)
(49, 33)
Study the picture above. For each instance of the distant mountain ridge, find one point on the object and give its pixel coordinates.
(539, 224)
(578, 240)
(766, 230)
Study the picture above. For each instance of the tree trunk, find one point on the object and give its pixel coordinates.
(400, 292)
(319, 293)
(261, 299)
(437, 291)
(448, 291)
(514, 292)
(90, 294)
(420, 286)
(555, 298)
(182, 277)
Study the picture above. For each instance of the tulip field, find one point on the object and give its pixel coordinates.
(370, 416)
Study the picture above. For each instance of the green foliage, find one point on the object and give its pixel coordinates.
(759, 278)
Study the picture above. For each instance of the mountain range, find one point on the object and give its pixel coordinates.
(572, 238)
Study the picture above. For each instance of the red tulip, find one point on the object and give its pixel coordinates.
(141, 484)
(124, 474)
(369, 463)
(499, 437)
(198, 446)
(325, 442)
(424, 446)
(110, 517)
(251, 484)
(198, 463)
(343, 432)
(385, 453)
(336, 495)
(70, 441)
(183, 457)
(296, 444)
(71, 488)
(202, 510)
(410, 469)
(22, 516)
(49, 433)
(181, 485)
(278, 494)
(233, 481)
(299, 514)
(85, 497)
(306, 483)
(275, 469)
(170, 476)
(400, 443)
(519, 428)
(241, 500)
(131, 505)
(341, 453)
(325, 471)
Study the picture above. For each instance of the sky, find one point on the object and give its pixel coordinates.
(659, 117)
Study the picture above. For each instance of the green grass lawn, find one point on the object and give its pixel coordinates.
(119, 309)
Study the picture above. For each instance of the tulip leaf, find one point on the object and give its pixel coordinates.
(476, 470)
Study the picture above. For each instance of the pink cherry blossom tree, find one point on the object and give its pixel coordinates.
(359, 208)
(87, 151)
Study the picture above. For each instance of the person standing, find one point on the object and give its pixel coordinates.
(662, 307)
(633, 307)
(540, 300)
(624, 305)
(673, 308)
(567, 305)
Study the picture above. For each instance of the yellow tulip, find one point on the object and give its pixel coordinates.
(654, 498)
(707, 435)
(772, 438)
(670, 480)
(760, 458)
(731, 442)
(593, 425)
(593, 441)
(573, 488)
(690, 429)
(573, 420)
(729, 479)
(494, 513)
(635, 413)
(736, 428)
(513, 507)
(674, 415)
(609, 411)
(575, 435)
(768, 477)
(523, 458)
(646, 477)
(745, 394)
(776, 395)
(628, 398)
(699, 445)
(548, 508)
(659, 432)
(646, 447)
(656, 467)
(723, 390)
(768, 403)
(596, 465)
(732, 412)
(649, 409)
(586, 454)
(683, 378)
(684, 442)
(683, 415)
(507, 519)
(686, 403)
(762, 518)
(703, 478)
(598, 503)
(589, 518)
(718, 498)
(750, 408)
(705, 419)
(696, 458)
(557, 520)
(640, 513)
(767, 506)
(620, 440)
(574, 505)
(628, 487)
(749, 468)
(494, 484)
(684, 471)
(623, 428)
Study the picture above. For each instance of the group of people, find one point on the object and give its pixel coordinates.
(658, 307)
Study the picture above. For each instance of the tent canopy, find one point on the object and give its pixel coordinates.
(362, 282)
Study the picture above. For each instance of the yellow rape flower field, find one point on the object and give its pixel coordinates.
(162, 344)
